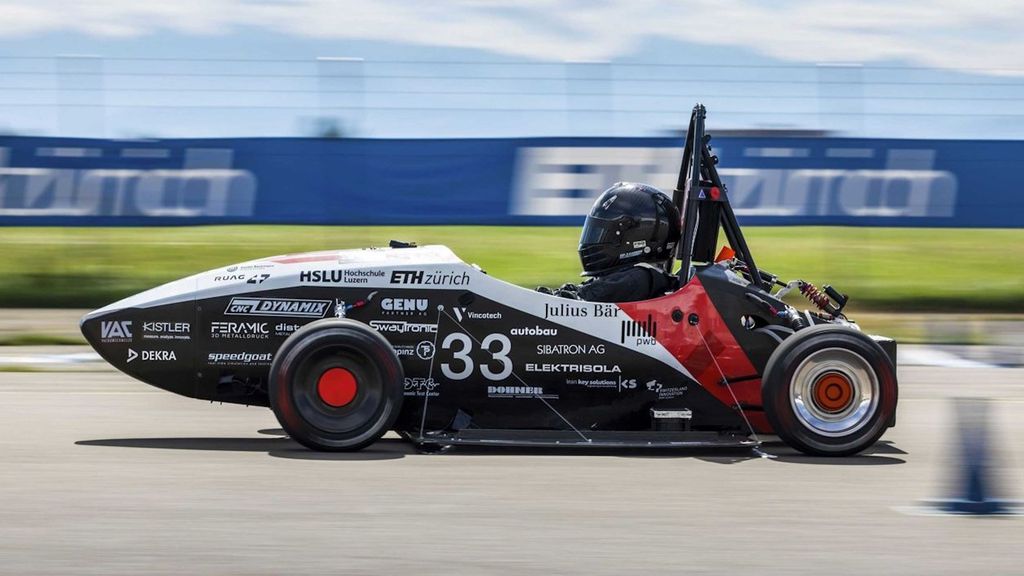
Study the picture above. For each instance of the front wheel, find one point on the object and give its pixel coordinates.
(336, 385)
(829, 390)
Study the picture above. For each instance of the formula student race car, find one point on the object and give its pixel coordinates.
(347, 345)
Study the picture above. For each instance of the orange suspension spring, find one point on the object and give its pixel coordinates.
(817, 297)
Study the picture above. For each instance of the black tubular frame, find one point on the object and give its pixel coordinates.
(703, 213)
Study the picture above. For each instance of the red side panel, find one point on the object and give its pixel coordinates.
(699, 355)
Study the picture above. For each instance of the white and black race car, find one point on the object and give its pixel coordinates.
(347, 345)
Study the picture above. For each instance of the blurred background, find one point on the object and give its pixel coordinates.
(872, 146)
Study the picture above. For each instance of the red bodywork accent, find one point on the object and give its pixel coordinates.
(699, 355)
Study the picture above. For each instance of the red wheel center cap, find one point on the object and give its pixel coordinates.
(337, 387)
(833, 392)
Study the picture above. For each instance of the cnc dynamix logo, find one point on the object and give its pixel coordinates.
(278, 307)
(116, 331)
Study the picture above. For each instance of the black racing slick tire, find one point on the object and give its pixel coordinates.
(829, 390)
(336, 385)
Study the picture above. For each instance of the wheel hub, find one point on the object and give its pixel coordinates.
(832, 392)
(337, 387)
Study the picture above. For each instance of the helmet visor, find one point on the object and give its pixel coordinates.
(599, 231)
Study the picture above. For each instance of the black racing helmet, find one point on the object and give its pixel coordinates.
(629, 223)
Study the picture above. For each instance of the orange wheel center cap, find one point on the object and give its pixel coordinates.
(337, 387)
(833, 392)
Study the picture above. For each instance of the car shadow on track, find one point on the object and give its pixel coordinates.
(281, 446)
(385, 449)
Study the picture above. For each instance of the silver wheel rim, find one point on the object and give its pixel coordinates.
(840, 364)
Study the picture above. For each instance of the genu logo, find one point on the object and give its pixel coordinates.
(406, 306)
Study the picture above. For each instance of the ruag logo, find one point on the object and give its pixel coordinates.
(402, 327)
(638, 333)
(420, 387)
(229, 277)
(277, 307)
(239, 358)
(166, 331)
(429, 278)
(151, 356)
(116, 331)
(239, 330)
(404, 306)
(534, 331)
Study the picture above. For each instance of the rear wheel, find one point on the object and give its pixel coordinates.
(336, 385)
(829, 390)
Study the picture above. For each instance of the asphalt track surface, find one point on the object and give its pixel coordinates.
(104, 475)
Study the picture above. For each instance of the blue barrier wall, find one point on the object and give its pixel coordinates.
(778, 181)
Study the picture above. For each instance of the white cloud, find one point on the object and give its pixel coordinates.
(944, 33)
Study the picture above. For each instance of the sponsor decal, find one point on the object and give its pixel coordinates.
(340, 276)
(618, 384)
(420, 387)
(239, 358)
(461, 313)
(342, 308)
(277, 307)
(404, 306)
(572, 310)
(640, 333)
(404, 350)
(285, 329)
(663, 392)
(534, 331)
(166, 331)
(116, 331)
(633, 253)
(257, 278)
(425, 350)
(639, 243)
(429, 278)
(574, 368)
(402, 327)
(569, 349)
(229, 277)
(517, 392)
(151, 355)
(257, 266)
(240, 330)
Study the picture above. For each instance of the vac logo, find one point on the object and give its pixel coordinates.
(277, 307)
(640, 333)
(116, 331)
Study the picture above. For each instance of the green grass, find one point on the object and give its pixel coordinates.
(37, 339)
(881, 268)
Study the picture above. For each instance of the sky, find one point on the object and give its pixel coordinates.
(955, 52)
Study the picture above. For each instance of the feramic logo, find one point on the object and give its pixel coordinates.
(402, 327)
(429, 278)
(116, 330)
(640, 333)
(239, 330)
(407, 306)
(277, 307)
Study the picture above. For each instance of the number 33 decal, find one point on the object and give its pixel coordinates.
(461, 345)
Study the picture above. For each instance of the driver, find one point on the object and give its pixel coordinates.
(627, 239)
